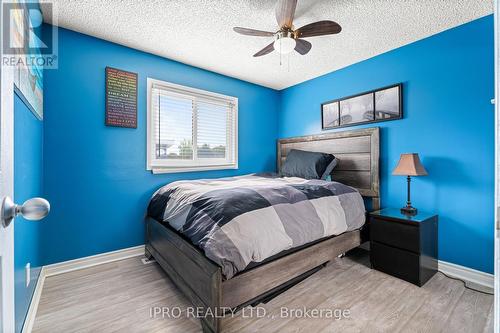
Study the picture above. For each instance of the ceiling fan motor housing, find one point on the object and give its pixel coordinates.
(285, 34)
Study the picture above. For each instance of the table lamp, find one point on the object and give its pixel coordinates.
(409, 165)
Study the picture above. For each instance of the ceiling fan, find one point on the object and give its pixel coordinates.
(287, 38)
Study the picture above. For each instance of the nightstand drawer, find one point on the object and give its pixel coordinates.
(403, 236)
(402, 264)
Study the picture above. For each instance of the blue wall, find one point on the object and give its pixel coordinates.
(448, 119)
(95, 176)
(28, 135)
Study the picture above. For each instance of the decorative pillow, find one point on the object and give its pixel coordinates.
(306, 164)
(329, 169)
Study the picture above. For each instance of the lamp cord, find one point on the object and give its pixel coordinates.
(465, 284)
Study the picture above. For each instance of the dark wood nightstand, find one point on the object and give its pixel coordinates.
(404, 246)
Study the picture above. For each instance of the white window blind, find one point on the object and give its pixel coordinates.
(190, 129)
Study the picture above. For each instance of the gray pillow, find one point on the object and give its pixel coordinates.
(306, 164)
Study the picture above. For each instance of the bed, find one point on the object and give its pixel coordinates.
(215, 281)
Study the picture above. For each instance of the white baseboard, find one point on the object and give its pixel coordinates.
(30, 316)
(467, 274)
(98, 259)
(73, 265)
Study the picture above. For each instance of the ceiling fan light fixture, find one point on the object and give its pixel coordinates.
(284, 45)
(287, 38)
(285, 42)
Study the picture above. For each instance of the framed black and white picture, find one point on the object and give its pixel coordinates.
(388, 104)
(358, 109)
(368, 107)
(330, 115)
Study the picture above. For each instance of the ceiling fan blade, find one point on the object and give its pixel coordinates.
(285, 11)
(253, 32)
(318, 29)
(302, 46)
(268, 49)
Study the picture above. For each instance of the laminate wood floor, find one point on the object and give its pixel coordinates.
(119, 297)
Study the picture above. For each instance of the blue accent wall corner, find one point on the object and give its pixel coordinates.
(448, 83)
(95, 176)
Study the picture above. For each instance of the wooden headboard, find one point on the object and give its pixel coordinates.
(358, 152)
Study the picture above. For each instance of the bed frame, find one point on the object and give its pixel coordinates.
(201, 280)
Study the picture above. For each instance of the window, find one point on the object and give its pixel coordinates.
(190, 129)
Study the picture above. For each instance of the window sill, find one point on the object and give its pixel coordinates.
(160, 170)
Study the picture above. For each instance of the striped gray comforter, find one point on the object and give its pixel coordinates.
(239, 220)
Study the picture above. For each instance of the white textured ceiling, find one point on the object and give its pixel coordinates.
(199, 32)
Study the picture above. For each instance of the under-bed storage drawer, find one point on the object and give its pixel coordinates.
(402, 264)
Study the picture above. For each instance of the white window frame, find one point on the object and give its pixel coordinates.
(172, 166)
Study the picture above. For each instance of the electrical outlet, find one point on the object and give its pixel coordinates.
(27, 270)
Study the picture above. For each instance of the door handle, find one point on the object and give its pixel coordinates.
(33, 209)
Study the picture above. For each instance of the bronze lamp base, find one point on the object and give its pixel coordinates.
(409, 210)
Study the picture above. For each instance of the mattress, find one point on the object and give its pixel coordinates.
(241, 221)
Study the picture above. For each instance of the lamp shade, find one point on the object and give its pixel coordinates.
(409, 165)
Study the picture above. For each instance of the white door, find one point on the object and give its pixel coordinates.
(6, 189)
(32, 209)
